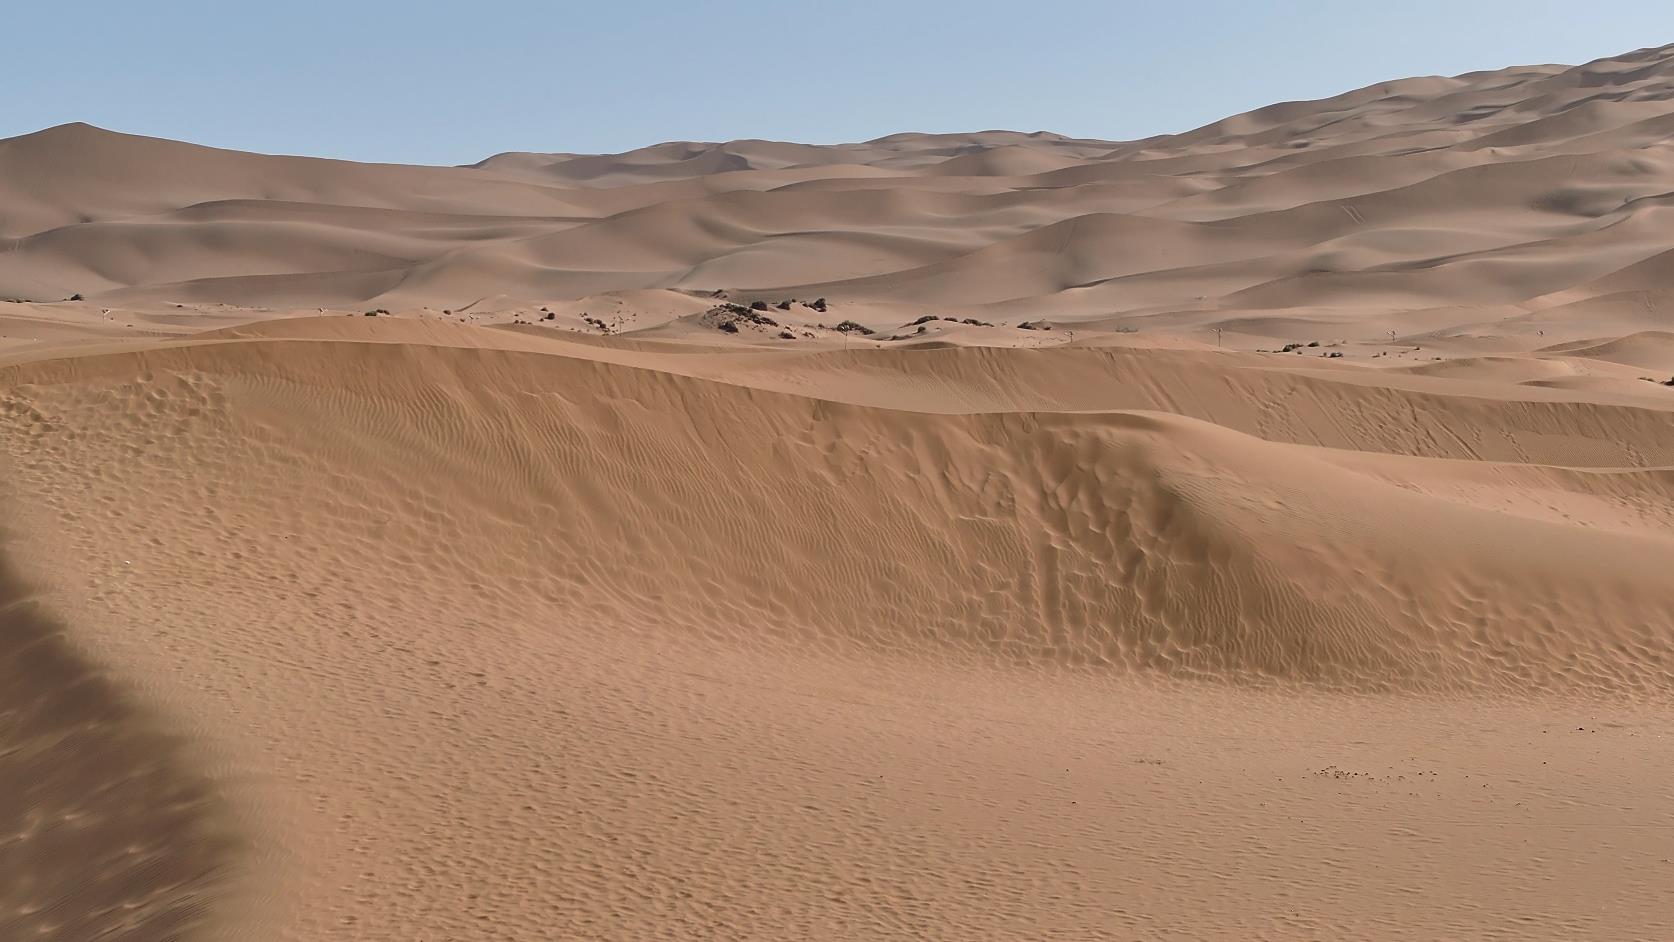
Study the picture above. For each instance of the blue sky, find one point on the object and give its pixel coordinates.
(433, 83)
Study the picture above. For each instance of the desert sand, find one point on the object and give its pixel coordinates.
(1261, 532)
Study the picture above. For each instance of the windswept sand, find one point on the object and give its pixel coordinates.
(543, 606)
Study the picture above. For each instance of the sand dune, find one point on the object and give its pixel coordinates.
(1477, 183)
(1255, 532)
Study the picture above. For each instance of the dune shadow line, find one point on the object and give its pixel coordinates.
(105, 831)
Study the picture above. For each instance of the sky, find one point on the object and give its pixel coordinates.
(452, 83)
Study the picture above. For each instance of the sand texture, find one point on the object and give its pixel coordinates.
(1262, 532)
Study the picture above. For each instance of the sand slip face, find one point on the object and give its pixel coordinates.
(541, 605)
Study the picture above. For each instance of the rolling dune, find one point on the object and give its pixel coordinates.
(1495, 187)
(1256, 532)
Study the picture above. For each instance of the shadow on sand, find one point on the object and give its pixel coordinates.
(104, 830)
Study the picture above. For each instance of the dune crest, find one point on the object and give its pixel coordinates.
(1504, 187)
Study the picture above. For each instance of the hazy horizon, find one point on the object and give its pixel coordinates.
(382, 82)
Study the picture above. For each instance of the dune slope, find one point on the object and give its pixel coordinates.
(1524, 186)
(96, 796)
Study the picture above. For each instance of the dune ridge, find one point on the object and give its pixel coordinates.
(1131, 538)
(1507, 187)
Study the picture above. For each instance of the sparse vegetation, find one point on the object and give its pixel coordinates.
(726, 317)
(951, 320)
(77, 297)
(854, 327)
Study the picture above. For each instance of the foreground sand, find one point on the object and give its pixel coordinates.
(562, 600)
(490, 633)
